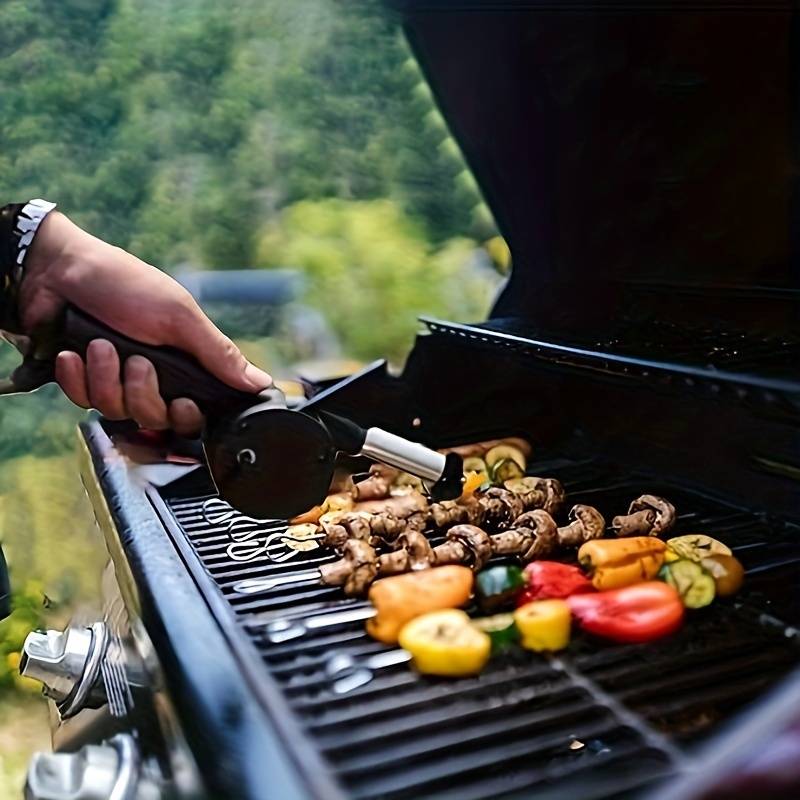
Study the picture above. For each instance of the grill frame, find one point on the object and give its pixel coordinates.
(239, 747)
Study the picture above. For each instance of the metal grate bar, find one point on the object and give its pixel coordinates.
(390, 733)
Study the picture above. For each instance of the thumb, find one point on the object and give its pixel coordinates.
(222, 358)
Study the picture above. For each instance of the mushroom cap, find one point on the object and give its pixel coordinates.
(420, 552)
(555, 495)
(503, 506)
(476, 540)
(359, 552)
(590, 518)
(664, 511)
(543, 530)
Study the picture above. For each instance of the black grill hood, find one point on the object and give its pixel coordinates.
(637, 157)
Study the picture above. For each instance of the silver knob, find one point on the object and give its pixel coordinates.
(111, 771)
(67, 664)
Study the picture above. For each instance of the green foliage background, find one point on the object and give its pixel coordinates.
(178, 129)
(254, 134)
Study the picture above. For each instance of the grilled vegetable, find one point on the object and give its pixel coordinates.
(639, 613)
(585, 523)
(472, 482)
(648, 515)
(400, 598)
(505, 470)
(500, 628)
(446, 643)
(478, 466)
(310, 516)
(497, 587)
(727, 572)
(696, 546)
(544, 625)
(691, 581)
(506, 452)
(341, 501)
(551, 579)
(613, 563)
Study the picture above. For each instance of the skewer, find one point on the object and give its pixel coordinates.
(534, 536)
(286, 629)
(247, 534)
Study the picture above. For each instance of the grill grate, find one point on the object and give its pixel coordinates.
(597, 721)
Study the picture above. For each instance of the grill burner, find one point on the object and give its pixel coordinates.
(597, 721)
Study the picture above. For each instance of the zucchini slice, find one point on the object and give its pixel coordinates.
(506, 451)
(694, 585)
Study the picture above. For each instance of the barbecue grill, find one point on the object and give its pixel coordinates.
(640, 160)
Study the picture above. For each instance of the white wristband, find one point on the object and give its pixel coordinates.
(30, 218)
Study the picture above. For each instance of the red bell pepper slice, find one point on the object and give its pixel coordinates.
(638, 613)
(550, 579)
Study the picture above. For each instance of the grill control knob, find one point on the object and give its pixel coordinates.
(68, 665)
(111, 771)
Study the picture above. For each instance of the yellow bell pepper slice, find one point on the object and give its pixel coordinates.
(614, 563)
(446, 643)
(544, 624)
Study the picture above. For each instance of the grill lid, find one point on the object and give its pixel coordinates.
(620, 143)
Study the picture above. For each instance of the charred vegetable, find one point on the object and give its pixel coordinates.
(446, 643)
(613, 563)
(690, 581)
(551, 579)
(506, 452)
(544, 625)
(401, 598)
(727, 572)
(640, 613)
(505, 470)
(498, 587)
(696, 546)
(478, 466)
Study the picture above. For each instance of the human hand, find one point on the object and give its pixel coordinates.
(66, 265)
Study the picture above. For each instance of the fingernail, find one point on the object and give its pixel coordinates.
(100, 347)
(257, 377)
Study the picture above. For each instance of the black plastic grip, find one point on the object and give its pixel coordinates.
(179, 374)
(5, 588)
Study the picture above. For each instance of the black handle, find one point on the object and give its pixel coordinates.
(5, 588)
(179, 374)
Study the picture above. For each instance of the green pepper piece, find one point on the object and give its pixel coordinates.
(498, 587)
(500, 628)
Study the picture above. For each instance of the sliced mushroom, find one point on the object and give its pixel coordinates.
(648, 515)
(585, 523)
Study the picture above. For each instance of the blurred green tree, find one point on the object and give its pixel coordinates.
(372, 268)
